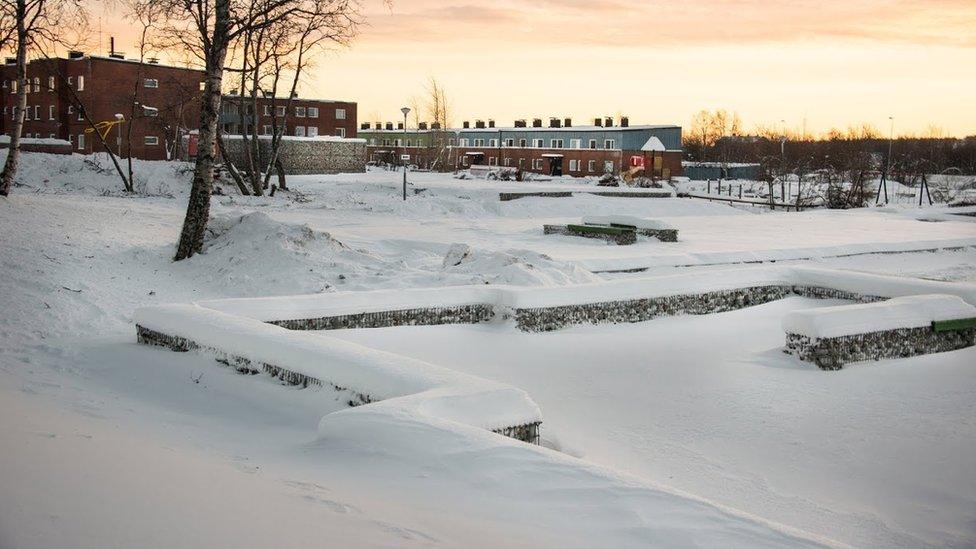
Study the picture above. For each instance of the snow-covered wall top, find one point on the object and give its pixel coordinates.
(917, 311)
(344, 303)
(402, 384)
(639, 222)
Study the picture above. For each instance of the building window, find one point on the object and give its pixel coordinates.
(340, 132)
(37, 84)
(81, 115)
(537, 143)
(280, 111)
(313, 112)
(609, 144)
(576, 143)
(463, 142)
(37, 112)
(509, 142)
(508, 161)
(267, 110)
(299, 131)
(537, 164)
(591, 166)
(150, 83)
(593, 143)
(81, 141)
(81, 83)
(574, 165)
(521, 163)
(266, 129)
(52, 136)
(50, 112)
(300, 112)
(608, 166)
(151, 140)
(492, 160)
(50, 83)
(557, 143)
(71, 109)
(13, 86)
(150, 112)
(479, 142)
(522, 143)
(493, 143)
(340, 114)
(313, 131)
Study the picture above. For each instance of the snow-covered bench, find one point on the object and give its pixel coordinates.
(647, 227)
(902, 327)
(617, 235)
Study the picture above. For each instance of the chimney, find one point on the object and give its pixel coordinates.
(364, 126)
(536, 122)
(435, 126)
(491, 123)
(624, 122)
(608, 122)
(294, 95)
(554, 123)
(111, 46)
(479, 124)
(423, 126)
(399, 125)
(520, 123)
(389, 126)
(378, 125)
(568, 123)
(75, 54)
(117, 55)
(11, 60)
(466, 125)
(153, 61)
(598, 122)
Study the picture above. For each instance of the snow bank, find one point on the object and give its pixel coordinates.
(404, 385)
(917, 311)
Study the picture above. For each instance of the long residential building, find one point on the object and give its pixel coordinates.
(160, 102)
(301, 118)
(557, 149)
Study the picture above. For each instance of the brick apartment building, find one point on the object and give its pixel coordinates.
(557, 149)
(160, 102)
(304, 118)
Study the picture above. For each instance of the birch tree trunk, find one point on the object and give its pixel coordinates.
(198, 208)
(13, 152)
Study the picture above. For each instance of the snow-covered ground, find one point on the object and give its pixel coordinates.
(675, 432)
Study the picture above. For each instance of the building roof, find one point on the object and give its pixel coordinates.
(654, 145)
(531, 129)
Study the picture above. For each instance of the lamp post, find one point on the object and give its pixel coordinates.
(403, 156)
(118, 139)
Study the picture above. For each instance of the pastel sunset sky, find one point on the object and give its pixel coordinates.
(832, 63)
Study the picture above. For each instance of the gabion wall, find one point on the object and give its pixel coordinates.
(307, 156)
(834, 352)
(429, 316)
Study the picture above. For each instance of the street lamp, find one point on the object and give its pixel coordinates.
(403, 157)
(119, 117)
(887, 165)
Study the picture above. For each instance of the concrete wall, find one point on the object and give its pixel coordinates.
(307, 156)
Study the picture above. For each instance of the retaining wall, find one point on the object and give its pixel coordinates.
(834, 352)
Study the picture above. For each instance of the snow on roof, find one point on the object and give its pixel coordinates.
(654, 145)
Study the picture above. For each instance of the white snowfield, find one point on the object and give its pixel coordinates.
(917, 311)
(402, 385)
(516, 297)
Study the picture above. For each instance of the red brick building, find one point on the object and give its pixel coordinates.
(303, 118)
(160, 102)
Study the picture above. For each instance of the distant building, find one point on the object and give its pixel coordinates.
(702, 171)
(160, 103)
(304, 118)
(556, 149)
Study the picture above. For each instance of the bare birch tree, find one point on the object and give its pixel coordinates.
(33, 27)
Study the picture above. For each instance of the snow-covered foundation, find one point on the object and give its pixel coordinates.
(903, 327)
(621, 237)
(420, 316)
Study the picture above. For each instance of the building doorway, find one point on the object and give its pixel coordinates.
(555, 164)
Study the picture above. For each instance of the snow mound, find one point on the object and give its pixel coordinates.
(96, 175)
(511, 267)
(252, 253)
